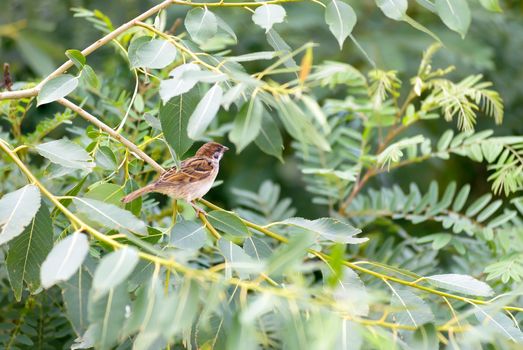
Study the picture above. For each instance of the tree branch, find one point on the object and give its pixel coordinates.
(92, 119)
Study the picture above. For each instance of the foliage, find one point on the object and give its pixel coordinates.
(385, 268)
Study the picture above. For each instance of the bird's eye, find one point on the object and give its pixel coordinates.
(216, 155)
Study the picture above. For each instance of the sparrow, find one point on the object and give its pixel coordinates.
(192, 180)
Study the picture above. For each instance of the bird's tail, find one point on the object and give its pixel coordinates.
(139, 192)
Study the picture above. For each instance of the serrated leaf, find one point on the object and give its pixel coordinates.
(394, 9)
(228, 223)
(28, 251)
(174, 118)
(499, 323)
(188, 235)
(201, 24)
(267, 15)
(205, 112)
(17, 210)
(56, 88)
(110, 215)
(155, 53)
(327, 228)
(341, 19)
(64, 259)
(179, 83)
(66, 153)
(247, 124)
(113, 269)
(413, 310)
(269, 138)
(455, 14)
(461, 283)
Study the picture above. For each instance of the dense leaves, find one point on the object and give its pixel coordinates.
(365, 229)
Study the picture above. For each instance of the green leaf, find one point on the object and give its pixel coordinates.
(289, 255)
(174, 117)
(461, 198)
(499, 323)
(247, 124)
(425, 338)
(297, 124)
(107, 315)
(106, 192)
(228, 223)
(17, 210)
(478, 204)
(255, 56)
(113, 269)
(188, 235)
(267, 15)
(461, 283)
(205, 112)
(76, 57)
(488, 211)
(328, 228)
(56, 88)
(491, 5)
(155, 53)
(455, 14)
(179, 83)
(226, 28)
(238, 260)
(181, 309)
(110, 215)
(341, 19)
(28, 251)
(413, 310)
(105, 158)
(445, 139)
(64, 259)
(269, 138)
(256, 248)
(278, 44)
(89, 77)
(350, 293)
(394, 9)
(75, 293)
(66, 153)
(201, 24)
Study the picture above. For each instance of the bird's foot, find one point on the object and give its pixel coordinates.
(197, 209)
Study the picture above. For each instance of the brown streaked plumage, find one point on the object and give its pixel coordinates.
(192, 180)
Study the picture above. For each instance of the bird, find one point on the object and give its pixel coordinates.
(191, 180)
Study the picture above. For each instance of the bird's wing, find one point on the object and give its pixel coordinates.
(191, 170)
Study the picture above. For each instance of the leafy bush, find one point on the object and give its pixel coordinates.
(394, 266)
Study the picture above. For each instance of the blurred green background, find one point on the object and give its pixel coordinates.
(35, 34)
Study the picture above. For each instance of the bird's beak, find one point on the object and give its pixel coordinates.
(225, 149)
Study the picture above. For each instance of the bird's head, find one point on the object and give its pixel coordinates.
(212, 150)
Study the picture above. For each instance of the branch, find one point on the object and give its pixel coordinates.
(354, 266)
(87, 51)
(92, 119)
